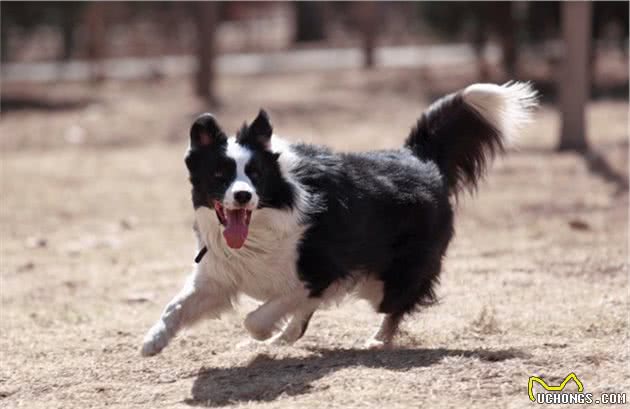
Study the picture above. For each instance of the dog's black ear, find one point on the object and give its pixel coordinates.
(258, 134)
(205, 131)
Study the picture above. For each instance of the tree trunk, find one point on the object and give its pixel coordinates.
(574, 81)
(507, 30)
(368, 20)
(95, 23)
(4, 43)
(68, 25)
(479, 40)
(206, 19)
(309, 21)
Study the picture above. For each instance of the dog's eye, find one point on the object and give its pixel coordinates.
(253, 175)
(218, 174)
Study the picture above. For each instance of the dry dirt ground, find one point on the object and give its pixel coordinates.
(95, 239)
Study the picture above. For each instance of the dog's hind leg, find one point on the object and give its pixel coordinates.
(384, 336)
(407, 285)
(199, 297)
(372, 290)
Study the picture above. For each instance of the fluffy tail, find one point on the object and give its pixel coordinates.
(462, 132)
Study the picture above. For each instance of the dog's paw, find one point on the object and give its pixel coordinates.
(155, 340)
(259, 334)
(291, 334)
(258, 331)
(377, 344)
(281, 340)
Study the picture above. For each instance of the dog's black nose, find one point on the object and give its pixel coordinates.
(242, 196)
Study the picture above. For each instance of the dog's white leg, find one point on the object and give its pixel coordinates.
(200, 296)
(371, 290)
(299, 322)
(265, 320)
(383, 337)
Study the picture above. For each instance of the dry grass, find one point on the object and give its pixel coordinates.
(95, 230)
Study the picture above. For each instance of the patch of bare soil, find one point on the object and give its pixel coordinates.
(95, 238)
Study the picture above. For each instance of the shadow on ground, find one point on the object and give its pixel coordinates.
(266, 378)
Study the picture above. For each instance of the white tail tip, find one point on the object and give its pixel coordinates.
(507, 107)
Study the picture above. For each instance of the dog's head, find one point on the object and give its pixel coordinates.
(235, 176)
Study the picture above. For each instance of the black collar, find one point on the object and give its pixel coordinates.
(201, 253)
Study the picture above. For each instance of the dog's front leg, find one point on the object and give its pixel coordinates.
(265, 320)
(201, 296)
(299, 322)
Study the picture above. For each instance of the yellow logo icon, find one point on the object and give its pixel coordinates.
(532, 379)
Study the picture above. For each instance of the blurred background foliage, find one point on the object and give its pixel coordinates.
(281, 25)
(93, 41)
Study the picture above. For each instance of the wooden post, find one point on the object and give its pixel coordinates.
(574, 82)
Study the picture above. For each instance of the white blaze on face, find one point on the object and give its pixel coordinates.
(241, 183)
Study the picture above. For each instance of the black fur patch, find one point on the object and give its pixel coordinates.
(386, 214)
(458, 139)
(210, 170)
(206, 132)
(264, 172)
(258, 134)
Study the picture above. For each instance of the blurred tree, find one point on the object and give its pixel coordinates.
(28, 16)
(542, 21)
(309, 21)
(476, 21)
(96, 35)
(69, 20)
(206, 19)
(367, 18)
(506, 27)
(574, 82)
(16, 15)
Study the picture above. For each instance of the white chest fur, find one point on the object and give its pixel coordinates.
(265, 267)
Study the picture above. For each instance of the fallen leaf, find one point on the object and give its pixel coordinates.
(577, 224)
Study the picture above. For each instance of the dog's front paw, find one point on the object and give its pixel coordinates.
(260, 331)
(377, 344)
(281, 340)
(155, 340)
(291, 334)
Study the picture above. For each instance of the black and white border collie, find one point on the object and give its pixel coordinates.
(295, 226)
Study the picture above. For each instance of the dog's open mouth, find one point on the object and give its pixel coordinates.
(236, 224)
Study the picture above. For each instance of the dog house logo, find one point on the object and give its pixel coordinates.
(535, 379)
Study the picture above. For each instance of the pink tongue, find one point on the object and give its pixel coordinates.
(236, 228)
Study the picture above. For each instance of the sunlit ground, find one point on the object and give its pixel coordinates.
(96, 238)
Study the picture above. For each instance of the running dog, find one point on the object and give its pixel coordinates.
(296, 226)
